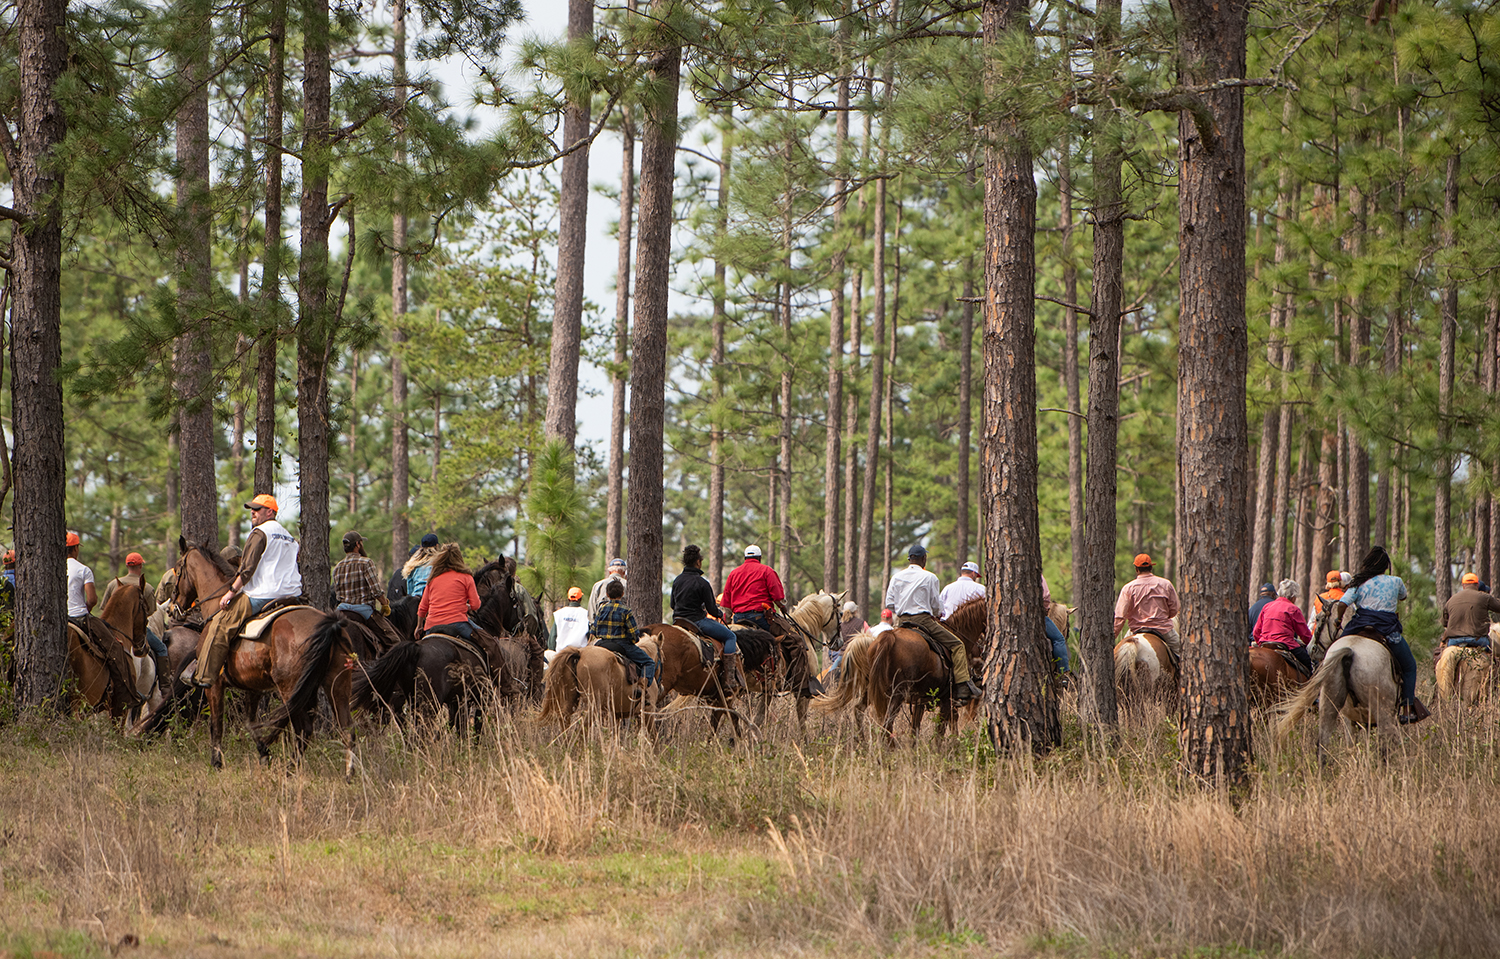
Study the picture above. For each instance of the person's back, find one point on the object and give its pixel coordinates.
(448, 599)
(1149, 603)
(1466, 615)
(571, 622)
(615, 629)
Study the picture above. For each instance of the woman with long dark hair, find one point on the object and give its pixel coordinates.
(1378, 595)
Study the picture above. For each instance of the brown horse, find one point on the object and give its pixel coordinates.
(436, 670)
(793, 661)
(124, 617)
(1144, 670)
(1465, 674)
(680, 670)
(306, 650)
(594, 676)
(1272, 677)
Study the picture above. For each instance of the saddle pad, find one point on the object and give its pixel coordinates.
(632, 671)
(257, 627)
(1290, 659)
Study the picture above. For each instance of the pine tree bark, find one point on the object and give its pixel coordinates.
(1442, 550)
(835, 408)
(1096, 590)
(877, 405)
(615, 498)
(1305, 517)
(784, 457)
(36, 352)
(1213, 355)
(1020, 698)
(572, 234)
(1070, 369)
(1492, 361)
(315, 320)
(270, 275)
(400, 437)
(1357, 526)
(716, 357)
(649, 336)
(200, 501)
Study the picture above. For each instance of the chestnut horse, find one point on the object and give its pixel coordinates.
(680, 669)
(1355, 683)
(306, 650)
(125, 617)
(594, 676)
(1271, 676)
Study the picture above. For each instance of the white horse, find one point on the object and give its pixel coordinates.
(1354, 682)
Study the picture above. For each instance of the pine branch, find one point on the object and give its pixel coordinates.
(6, 213)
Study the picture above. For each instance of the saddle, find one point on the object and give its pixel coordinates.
(112, 654)
(1161, 635)
(1286, 654)
(466, 645)
(707, 648)
(274, 610)
(938, 648)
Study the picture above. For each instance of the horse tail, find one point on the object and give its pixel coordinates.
(314, 669)
(1330, 682)
(1126, 656)
(378, 683)
(561, 679)
(1447, 671)
(854, 676)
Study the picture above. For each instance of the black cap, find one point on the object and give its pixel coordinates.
(917, 552)
(430, 539)
(352, 541)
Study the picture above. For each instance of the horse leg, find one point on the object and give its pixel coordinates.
(918, 709)
(802, 702)
(337, 691)
(216, 723)
(892, 710)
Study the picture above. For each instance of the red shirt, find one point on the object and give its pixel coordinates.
(1282, 622)
(752, 586)
(448, 599)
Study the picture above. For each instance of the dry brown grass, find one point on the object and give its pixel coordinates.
(589, 843)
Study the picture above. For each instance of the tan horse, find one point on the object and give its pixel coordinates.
(1271, 676)
(125, 619)
(1144, 670)
(1355, 683)
(1467, 673)
(594, 677)
(306, 650)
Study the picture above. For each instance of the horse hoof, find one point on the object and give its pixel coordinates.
(217, 760)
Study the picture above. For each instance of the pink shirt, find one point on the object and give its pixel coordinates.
(1146, 602)
(1282, 622)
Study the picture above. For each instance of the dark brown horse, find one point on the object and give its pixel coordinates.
(306, 650)
(506, 609)
(681, 670)
(435, 671)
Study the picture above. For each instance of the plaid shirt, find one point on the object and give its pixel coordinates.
(615, 622)
(355, 581)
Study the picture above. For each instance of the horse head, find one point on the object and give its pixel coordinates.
(201, 574)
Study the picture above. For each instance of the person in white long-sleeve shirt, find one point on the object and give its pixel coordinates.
(913, 597)
(961, 590)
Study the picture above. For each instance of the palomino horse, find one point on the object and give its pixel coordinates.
(595, 677)
(1354, 682)
(1144, 669)
(1272, 677)
(1467, 673)
(680, 669)
(793, 661)
(306, 650)
(98, 687)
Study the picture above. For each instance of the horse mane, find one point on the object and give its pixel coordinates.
(801, 612)
(968, 619)
(219, 563)
(490, 567)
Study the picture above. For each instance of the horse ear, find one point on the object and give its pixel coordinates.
(182, 546)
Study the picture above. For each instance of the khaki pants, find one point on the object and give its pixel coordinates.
(222, 629)
(926, 623)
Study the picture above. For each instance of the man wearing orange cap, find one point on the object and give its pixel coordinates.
(1466, 616)
(135, 566)
(268, 570)
(570, 624)
(81, 595)
(1148, 603)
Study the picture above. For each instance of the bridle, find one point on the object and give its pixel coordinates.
(182, 611)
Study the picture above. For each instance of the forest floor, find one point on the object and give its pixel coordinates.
(531, 842)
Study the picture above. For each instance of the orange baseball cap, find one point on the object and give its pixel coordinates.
(1470, 578)
(1333, 576)
(73, 539)
(266, 500)
(1142, 559)
(10, 556)
(575, 593)
(134, 559)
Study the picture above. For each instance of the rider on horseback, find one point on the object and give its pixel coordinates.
(751, 589)
(358, 588)
(1466, 616)
(614, 629)
(1148, 603)
(449, 597)
(268, 571)
(1377, 596)
(1282, 624)
(693, 600)
(912, 596)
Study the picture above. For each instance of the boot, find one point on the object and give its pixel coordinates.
(164, 675)
(964, 692)
(1413, 712)
(734, 673)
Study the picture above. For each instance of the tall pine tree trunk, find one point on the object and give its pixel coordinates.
(1213, 355)
(965, 401)
(1357, 503)
(615, 499)
(1096, 590)
(572, 234)
(649, 336)
(270, 274)
(315, 320)
(716, 358)
(36, 352)
(400, 451)
(872, 423)
(1020, 698)
(851, 419)
(1492, 362)
(1070, 369)
(200, 501)
(1442, 519)
(835, 407)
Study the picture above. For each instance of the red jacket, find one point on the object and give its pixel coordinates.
(752, 586)
(1282, 622)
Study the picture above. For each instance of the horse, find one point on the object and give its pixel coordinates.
(1354, 682)
(595, 677)
(514, 614)
(1467, 673)
(98, 686)
(1144, 669)
(300, 656)
(682, 671)
(1271, 675)
(816, 617)
(436, 670)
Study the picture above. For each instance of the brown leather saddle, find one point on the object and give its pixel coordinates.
(938, 648)
(97, 642)
(708, 648)
(1286, 654)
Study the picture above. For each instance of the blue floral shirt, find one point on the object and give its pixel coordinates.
(1379, 594)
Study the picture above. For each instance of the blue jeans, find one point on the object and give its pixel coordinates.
(1474, 642)
(1408, 663)
(756, 619)
(461, 630)
(158, 647)
(256, 605)
(633, 653)
(717, 630)
(1059, 645)
(364, 610)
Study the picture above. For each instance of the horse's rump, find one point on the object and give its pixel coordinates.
(1455, 665)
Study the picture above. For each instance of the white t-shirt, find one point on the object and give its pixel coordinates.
(276, 575)
(78, 576)
(958, 592)
(572, 627)
(879, 628)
